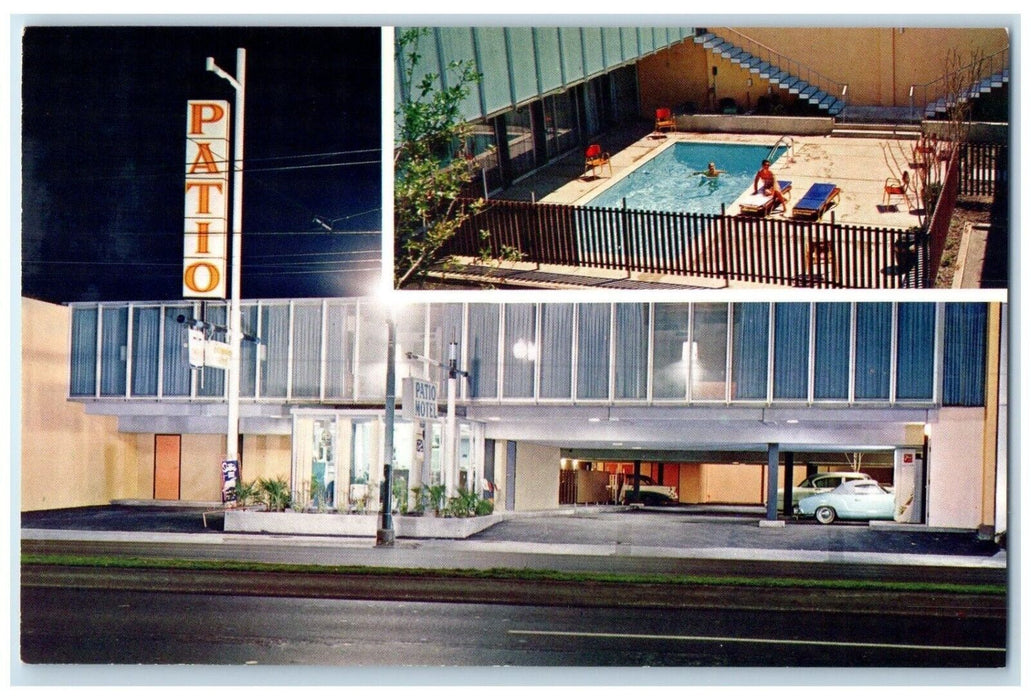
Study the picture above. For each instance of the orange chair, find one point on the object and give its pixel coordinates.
(664, 120)
(894, 187)
(596, 158)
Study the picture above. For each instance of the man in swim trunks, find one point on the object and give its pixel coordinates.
(711, 172)
(769, 186)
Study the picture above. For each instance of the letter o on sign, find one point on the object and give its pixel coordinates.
(201, 277)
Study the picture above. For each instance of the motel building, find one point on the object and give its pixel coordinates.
(556, 404)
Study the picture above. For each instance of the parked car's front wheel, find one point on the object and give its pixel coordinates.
(825, 515)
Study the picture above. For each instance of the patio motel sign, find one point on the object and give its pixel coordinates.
(207, 200)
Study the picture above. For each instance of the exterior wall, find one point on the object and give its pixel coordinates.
(733, 483)
(200, 476)
(954, 491)
(266, 456)
(537, 468)
(879, 64)
(68, 458)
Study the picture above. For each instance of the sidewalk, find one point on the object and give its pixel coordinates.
(620, 539)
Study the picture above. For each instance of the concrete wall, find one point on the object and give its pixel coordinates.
(954, 491)
(740, 124)
(68, 458)
(879, 64)
(537, 473)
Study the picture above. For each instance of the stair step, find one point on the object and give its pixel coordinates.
(869, 134)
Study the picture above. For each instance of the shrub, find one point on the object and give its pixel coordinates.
(274, 493)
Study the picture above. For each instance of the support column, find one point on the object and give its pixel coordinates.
(789, 482)
(773, 467)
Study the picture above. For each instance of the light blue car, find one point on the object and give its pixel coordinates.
(862, 499)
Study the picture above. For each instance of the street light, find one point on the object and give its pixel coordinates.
(235, 317)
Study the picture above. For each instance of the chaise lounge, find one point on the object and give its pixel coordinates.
(817, 200)
(763, 204)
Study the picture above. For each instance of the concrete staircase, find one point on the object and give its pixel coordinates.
(767, 70)
(984, 86)
(886, 130)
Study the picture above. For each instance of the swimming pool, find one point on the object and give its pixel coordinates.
(667, 182)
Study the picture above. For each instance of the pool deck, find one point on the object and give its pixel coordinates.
(856, 165)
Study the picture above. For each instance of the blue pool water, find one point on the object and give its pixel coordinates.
(667, 183)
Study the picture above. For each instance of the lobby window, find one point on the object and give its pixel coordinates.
(633, 328)
(560, 123)
(831, 362)
(519, 137)
(791, 351)
(873, 351)
(592, 356)
(751, 339)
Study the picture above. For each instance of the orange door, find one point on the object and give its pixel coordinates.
(166, 467)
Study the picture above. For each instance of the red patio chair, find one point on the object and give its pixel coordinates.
(595, 159)
(664, 120)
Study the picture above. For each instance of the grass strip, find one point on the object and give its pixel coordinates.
(512, 574)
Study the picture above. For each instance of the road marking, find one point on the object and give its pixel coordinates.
(752, 640)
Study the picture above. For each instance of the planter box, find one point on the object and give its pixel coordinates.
(349, 525)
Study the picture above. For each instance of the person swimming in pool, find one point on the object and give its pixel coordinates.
(769, 184)
(711, 171)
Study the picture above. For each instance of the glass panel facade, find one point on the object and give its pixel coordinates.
(307, 350)
(791, 351)
(592, 356)
(624, 352)
(83, 380)
(483, 351)
(633, 329)
(521, 351)
(709, 352)
(556, 355)
(275, 335)
(519, 136)
(873, 351)
(114, 339)
(833, 331)
(175, 360)
(146, 342)
(671, 353)
(915, 351)
(750, 349)
(964, 354)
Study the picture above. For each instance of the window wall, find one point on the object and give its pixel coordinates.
(333, 352)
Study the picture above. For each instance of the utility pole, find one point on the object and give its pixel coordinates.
(385, 533)
(235, 317)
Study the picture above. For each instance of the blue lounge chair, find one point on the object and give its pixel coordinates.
(816, 201)
(763, 204)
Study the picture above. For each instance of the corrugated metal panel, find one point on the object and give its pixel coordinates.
(524, 70)
(549, 59)
(521, 63)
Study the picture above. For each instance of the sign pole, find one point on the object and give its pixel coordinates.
(235, 316)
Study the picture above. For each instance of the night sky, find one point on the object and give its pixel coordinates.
(103, 153)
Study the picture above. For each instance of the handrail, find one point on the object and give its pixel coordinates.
(989, 65)
(784, 63)
(790, 144)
